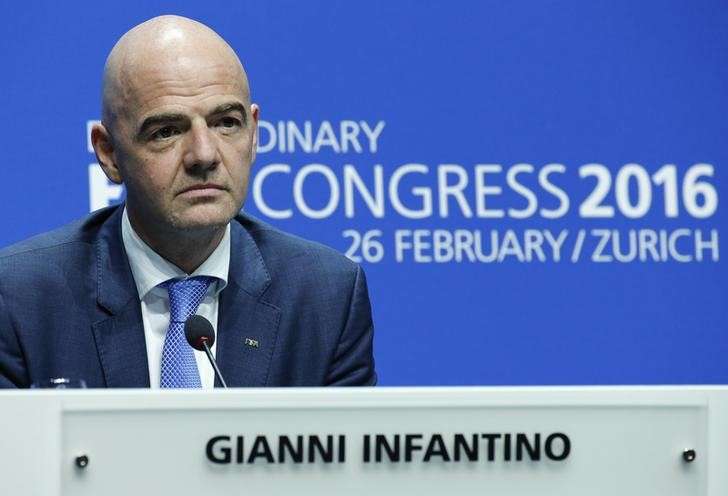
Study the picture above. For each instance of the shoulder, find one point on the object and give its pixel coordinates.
(45, 248)
(283, 252)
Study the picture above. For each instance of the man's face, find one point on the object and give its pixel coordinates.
(184, 143)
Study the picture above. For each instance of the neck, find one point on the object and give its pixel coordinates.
(186, 249)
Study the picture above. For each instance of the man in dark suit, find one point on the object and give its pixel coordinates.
(105, 299)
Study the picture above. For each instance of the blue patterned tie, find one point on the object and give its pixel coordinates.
(179, 367)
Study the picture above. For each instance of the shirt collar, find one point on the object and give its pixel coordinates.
(150, 269)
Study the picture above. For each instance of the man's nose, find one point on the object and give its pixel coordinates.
(202, 152)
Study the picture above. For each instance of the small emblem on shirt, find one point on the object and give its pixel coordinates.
(253, 343)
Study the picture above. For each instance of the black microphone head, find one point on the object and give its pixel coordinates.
(198, 330)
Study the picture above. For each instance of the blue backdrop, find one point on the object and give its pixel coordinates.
(533, 188)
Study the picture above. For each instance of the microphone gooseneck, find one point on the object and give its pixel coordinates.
(201, 336)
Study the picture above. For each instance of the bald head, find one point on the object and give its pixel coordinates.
(163, 48)
(179, 131)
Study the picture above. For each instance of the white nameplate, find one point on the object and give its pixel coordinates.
(503, 441)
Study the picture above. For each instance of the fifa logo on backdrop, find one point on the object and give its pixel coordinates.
(503, 198)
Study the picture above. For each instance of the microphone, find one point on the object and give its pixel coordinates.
(200, 335)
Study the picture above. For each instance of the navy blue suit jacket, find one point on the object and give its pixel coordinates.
(69, 308)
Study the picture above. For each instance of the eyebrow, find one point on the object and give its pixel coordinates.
(230, 107)
(157, 119)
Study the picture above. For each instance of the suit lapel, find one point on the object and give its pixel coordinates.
(118, 329)
(247, 326)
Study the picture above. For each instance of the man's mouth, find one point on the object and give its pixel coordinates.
(202, 189)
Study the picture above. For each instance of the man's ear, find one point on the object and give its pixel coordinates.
(255, 113)
(104, 148)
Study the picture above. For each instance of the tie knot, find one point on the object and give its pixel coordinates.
(185, 295)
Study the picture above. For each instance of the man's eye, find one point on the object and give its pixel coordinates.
(165, 132)
(228, 122)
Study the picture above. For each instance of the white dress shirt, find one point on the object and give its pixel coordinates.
(149, 270)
